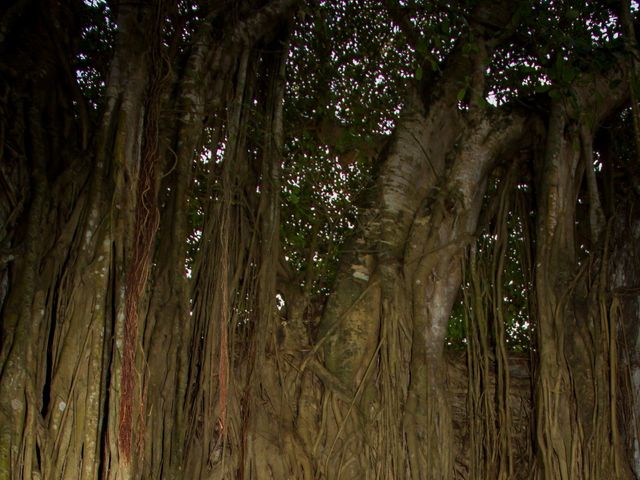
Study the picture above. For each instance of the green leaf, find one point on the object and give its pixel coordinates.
(419, 73)
(422, 48)
(555, 94)
(568, 74)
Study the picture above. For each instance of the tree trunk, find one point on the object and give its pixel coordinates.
(430, 191)
(576, 383)
(93, 365)
(73, 295)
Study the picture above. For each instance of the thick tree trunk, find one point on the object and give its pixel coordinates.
(93, 377)
(624, 271)
(576, 390)
(76, 290)
(430, 193)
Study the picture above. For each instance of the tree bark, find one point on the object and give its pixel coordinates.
(575, 387)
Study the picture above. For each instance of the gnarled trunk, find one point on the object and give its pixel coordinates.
(576, 387)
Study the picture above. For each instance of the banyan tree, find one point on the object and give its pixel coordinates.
(323, 239)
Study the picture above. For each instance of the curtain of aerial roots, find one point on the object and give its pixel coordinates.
(70, 288)
(625, 315)
(490, 447)
(234, 287)
(576, 419)
(392, 384)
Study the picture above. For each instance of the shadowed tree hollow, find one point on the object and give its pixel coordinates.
(326, 239)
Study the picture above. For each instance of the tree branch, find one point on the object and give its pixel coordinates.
(252, 28)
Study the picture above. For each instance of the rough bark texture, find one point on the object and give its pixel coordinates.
(576, 385)
(625, 312)
(94, 362)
